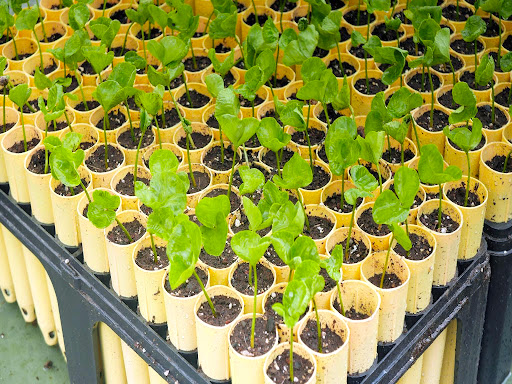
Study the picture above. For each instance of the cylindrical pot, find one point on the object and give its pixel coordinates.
(193, 195)
(408, 146)
(99, 115)
(317, 210)
(90, 136)
(220, 176)
(360, 297)
(379, 243)
(362, 101)
(12, 118)
(82, 115)
(131, 152)
(427, 94)
(493, 135)
(128, 201)
(34, 61)
(135, 367)
(262, 11)
(282, 72)
(193, 114)
(100, 178)
(284, 349)
(433, 360)
(427, 136)
(112, 355)
(303, 148)
(54, 128)
(6, 283)
(195, 153)
(37, 183)
(393, 300)
(457, 157)
(24, 46)
(334, 189)
(312, 196)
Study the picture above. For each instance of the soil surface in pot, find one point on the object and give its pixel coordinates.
(394, 155)
(126, 141)
(359, 53)
(469, 77)
(21, 56)
(415, 82)
(264, 337)
(221, 48)
(64, 190)
(269, 158)
(385, 34)
(420, 250)
(200, 140)
(176, 82)
(202, 62)
(409, 45)
(440, 121)
(281, 82)
(91, 104)
(333, 114)
(366, 223)
(269, 113)
(320, 53)
(146, 210)
(34, 104)
(5, 127)
(47, 68)
(322, 155)
(417, 199)
(351, 17)
(251, 19)
(391, 280)
(331, 340)
(351, 313)
(288, 6)
(155, 32)
(272, 298)
(316, 136)
(457, 195)
(240, 279)
(278, 370)
(430, 220)
(126, 186)
(445, 67)
(226, 258)
(493, 30)
(494, 55)
(212, 122)
(202, 180)
(56, 126)
(320, 179)
(271, 256)
(254, 142)
(96, 161)
(376, 86)
(115, 119)
(460, 46)
(241, 223)
(334, 202)
(446, 100)
(134, 228)
(171, 119)
(502, 97)
(479, 146)
(498, 162)
(37, 161)
(18, 147)
(348, 69)
(450, 12)
(374, 173)
(212, 159)
(357, 250)
(227, 308)
(247, 104)
(145, 258)
(228, 79)
(119, 51)
(120, 16)
(329, 282)
(485, 115)
(319, 227)
(190, 287)
(234, 200)
(198, 99)
(107, 5)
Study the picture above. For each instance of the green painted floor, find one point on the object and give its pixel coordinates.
(23, 352)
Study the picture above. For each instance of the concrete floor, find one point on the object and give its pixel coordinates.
(24, 354)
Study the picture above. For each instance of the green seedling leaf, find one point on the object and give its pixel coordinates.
(312, 69)
(249, 246)
(224, 25)
(302, 47)
(163, 161)
(214, 83)
(473, 28)
(105, 29)
(109, 94)
(102, 210)
(238, 130)
(431, 167)
(252, 179)
(183, 251)
(64, 165)
(377, 5)
(151, 101)
(20, 94)
(253, 215)
(464, 138)
(27, 19)
(78, 16)
(402, 102)
(170, 50)
(124, 74)
(485, 70)
(392, 24)
(334, 263)
(166, 190)
(465, 97)
(41, 81)
(296, 299)
(296, 174)
(133, 57)
(158, 15)
(291, 114)
(222, 68)
(309, 273)
(387, 209)
(212, 213)
(401, 236)
(372, 146)
(303, 250)
(254, 79)
(158, 78)
(98, 58)
(340, 145)
(506, 62)
(407, 185)
(364, 184)
(227, 103)
(289, 218)
(271, 135)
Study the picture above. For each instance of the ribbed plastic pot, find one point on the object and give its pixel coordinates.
(130, 153)
(454, 156)
(102, 179)
(112, 355)
(83, 116)
(193, 198)
(433, 360)
(6, 281)
(318, 210)
(195, 154)
(24, 46)
(426, 136)
(193, 114)
(302, 149)
(332, 189)
(136, 369)
(408, 145)
(298, 349)
(11, 116)
(379, 243)
(127, 201)
(261, 10)
(312, 196)
(34, 61)
(40, 200)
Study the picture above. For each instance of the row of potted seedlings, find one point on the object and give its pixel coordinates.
(223, 197)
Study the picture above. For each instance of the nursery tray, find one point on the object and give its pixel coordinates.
(86, 299)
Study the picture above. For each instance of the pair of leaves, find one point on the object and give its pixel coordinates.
(102, 210)
(298, 47)
(294, 251)
(222, 68)
(431, 167)
(341, 146)
(105, 30)
(65, 158)
(98, 57)
(249, 246)
(169, 50)
(296, 174)
(465, 97)
(464, 138)
(252, 179)
(371, 146)
(271, 135)
(224, 25)
(238, 130)
(212, 213)
(364, 184)
(296, 299)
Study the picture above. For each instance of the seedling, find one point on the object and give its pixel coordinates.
(4, 83)
(105, 30)
(152, 103)
(19, 95)
(252, 180)
(503, 10)
(254, 79)
(224, 23)
(431, 170)
(250, 247)
(369, 42)
(394, 57)
(364, 185)
(333, 266)
(98, 57)
(221, 68)
(342, 149)
(6, 23)
(465, 97)
(259, 39)
(27, 20)
(212, 213)
(272, 136)
(184, 21)
(140, 17)
(298, 47)
(473, 28)
(484, 75)
(371, 150)
(393, 24)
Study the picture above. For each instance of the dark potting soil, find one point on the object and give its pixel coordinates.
(485, 115)
(498, 162)
(376, 86)
(357, 250)
(240, 7)
(507, 44)
(493, 29)
(402, 17)
(247, 104)
(212, 159)
(331, 340)
(7, 126)
(198, 99)
(446, 100)
(73, 85)
(264, 337)
(417, 199)
(445, 67)
(197, 35)
(115, 119)
(440, 121)
(278, 370)
(348, 69)
(352, 313)
(142, 71)
(240, 64)
(370, 169)
(383, 67)
(333, 114)
(96, 161)
(393, 155)
(450, 12)
(198, 138)
(366, 223)
(420, 250)
(221, 48)
(502, 97)
(251, 19)
(145, 258)
(413, 49)
(202, 62)
(322, 155)
(63, 190)
(190, 287)
(58, 126)
(319, 52)
(91, 104)
(448, 225)
(126, 186)
(254, 142)
(344, 34)
(316, 136)
(5, 39)
(281, 82)
(329, 282)
(120, 16)
(171, 118)
(272, 257)
(288, 6)
(34, 104)
(319, 227)
(202, 181)
(351, 17)
(479, 146)
(465, 48)
(240, 279)
(234, 199)
(126, 141)
(146, 210)
(19, 147)
(391, 280)
(320, 179)
(269, 158)
(494, 56)
(469, 77)
(226, 258)
(359, 52)
(229, 79)
(119, 51)
(212, 122)
(227, 308)
(176, 82)
(86, 68)
(431, 196)
(22, 56)
(134, 228)
(36, 164)
(107, 5)
(456, 195)
(155, 32)
(415, 82)
(47, 69)
(85, 145)
(385, 34)
(276, 297)
(334, 201)
(51, 38)
(270, 113)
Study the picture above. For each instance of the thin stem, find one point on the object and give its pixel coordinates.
(186, 90)
(440, 211)
(469, 180)
(144, 45)
(358, 11)
(158, 133)
(191, 173)
(458, 10)
(3, 108)
(104, 7)
(506, 162)
(303, 210)
(72, 190)
(40, 50)
(205, 293)
(13, 43)
(193, 56)
(246, 158)
(432, 96)
(339, 60)
(277, 63)
(86, 107)
(349, 236)
(493, 116)
(130, 120)
(85, 190)
(232, 172)
(126, 37)
(291, 354)
(208, 24)
(68, 122)
(253, 325)
(339, 298)
(476, 57)
(318, 327)
(23, 129)
(137, 158)
(255, 12)
(105, 123)
(278, 163)
(42, 23)
(241, 50)
(327, 118)
(155, 258)
(342, 190)
(416, 134)
(124, 230)
(453, 71)
(252, 107)
(499, 44)
(380, 177)
(423, 78)
(281, 9)
(310, 150)
(46, 150)
(366, 55)
(386, 263)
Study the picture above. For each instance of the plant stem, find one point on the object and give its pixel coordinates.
(327, 118)
(85, 190)
(13, 43)
(255, 12)
(277, 63)
(506, 162)
(191, 173)
(253, 325)
(493, 116)
(241, 50)
(278, 163)
(416, 134)
(358, 11)
(232, 171)
(68, 122)
(310, 150)
(469, 179)
(303, 210)
(499, 44)
(126, 37)
(281, 9)
(380, 176)
(342, 190)
(137, 158)
(423, 78)
(83, 95)
(144, 45)
(23, 129)
(458, 10)
(124, 230)
(193, 56)
(476, 58)
(104, 7)
(349, 236)
(339, 60)
(155, 258)
(252, 107)
(45, 150)
(339, 298)
(386, 263)
(453, 71)
(72, 190)
(366, 56)
(105, 123)
(130, 120)
(432, 96)
(3, 108)
(157, 133)
(186, 90)
(205, 293)
(208, 24)
(291, 356)
(42, 23)
(318, 326)
(440, 211)
(40, 50)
